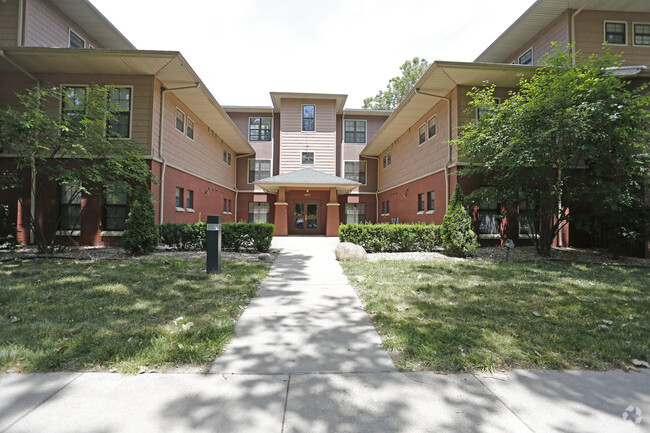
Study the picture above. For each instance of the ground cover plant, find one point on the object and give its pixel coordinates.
(469, 315)
(61, 315)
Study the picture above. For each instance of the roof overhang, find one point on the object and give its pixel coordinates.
(434, 86)
(277, 97)
(307, 179)
(168, 66)
(541, 14)
(86, 16)
(366, 112)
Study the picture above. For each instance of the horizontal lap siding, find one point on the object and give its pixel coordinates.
(322, 141)
(202, 156)
(9, 23)
(557, 31)
(47, 26)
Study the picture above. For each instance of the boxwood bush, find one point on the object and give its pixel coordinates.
(391, 238)
(234, 236)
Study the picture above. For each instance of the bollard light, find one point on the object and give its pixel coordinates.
(213, 244)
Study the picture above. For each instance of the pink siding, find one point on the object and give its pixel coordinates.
(47, 26)
(9, 23)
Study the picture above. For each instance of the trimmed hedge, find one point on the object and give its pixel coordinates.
(234, 236)
(391, 238)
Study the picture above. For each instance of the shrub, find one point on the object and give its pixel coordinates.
(234, 236)
(458, 237)
(141, 234)
(391, 237)
(7, 228)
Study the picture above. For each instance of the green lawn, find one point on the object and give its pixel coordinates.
(465, 316)
(60, 315)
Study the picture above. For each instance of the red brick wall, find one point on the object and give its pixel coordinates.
(368, 199)
(242, 205)
(404, 201)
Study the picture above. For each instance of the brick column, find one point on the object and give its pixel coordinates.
(280, 221)
(332, 219)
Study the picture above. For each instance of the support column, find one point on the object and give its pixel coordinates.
(281, 221)
(332, 228)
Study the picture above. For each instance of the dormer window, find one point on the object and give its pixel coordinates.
(76, 41)
(526, 58)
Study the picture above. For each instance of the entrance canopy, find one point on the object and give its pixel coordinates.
(306, 178)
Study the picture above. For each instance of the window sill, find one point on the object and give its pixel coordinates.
(112, 233)
(528, 236)
(489, 236)
(430, 212)
(180, 209)
(189, 209)
(421, 212)
(68, 232)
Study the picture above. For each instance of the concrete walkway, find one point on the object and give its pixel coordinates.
(307, 359)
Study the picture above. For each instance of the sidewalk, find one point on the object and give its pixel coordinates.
(307, 359)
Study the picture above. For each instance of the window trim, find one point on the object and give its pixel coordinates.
(532, 58)
(182, 131)
(428, 201)
(105, 206)
(387, 160)
(60, 206)
(302, 155)
(634, 23)
(64, 86)
(365, 131)
(249, 128)
(228, 157)
(434, 117)
(127, 86)
(258, 205)
(70, 32)
(422, 134)
(357, 213)
(605, 22)
(248, 168)
(189, 193)
(365, 170)
(182, 190)
(187, 128)
(302, 118)
(422, 203)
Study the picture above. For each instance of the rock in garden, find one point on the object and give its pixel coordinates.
(265, 257)
(350, 251)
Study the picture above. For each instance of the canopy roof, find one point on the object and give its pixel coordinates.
(307, 178)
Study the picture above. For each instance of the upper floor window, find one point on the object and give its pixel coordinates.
(615, 33)
(114, 207)
(75, 41)
(189, 128)
(308, 117)
(387, 160)
(73, 105)
(356, 171)
(259, 129)
(432, 125)
(422, 133)
(120, 100)
(526, 58)
(308, 158)
(642, 34)
(227, 157)
(180, 120)
(483, 111)
(258, 169)
(355, 131)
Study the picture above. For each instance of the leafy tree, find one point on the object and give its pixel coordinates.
(458, 237)
(73, 149)
(571, 138)
(398, 87)
(141, 234)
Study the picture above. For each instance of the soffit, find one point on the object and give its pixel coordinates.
(168, 66)
(86, 16)
(277, 97)
(541, 14)
(439, 80)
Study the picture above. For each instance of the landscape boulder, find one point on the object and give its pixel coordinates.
(350, 251)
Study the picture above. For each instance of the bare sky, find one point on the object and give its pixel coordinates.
(244, 49)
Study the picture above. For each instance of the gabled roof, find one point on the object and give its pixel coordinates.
(435, 84)
(168, 66)
(86, 16)
(277, 97)
(307, 178)
(541, 14)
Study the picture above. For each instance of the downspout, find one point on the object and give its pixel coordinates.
(448, 163)
(160, 144)
(573, 35)
(21, 12)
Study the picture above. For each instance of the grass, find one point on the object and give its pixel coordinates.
(62, 315)
(467, 316)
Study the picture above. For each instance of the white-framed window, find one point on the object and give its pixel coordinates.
(259, 129)
(75, 41)
(355, 131)
(488, 214)
(73, 105)
(387, 160)
(307, 158)
(615, 32)
(120, 104)
(526, 58)
(308, 117)
(422, 133)
(432, 127)
(421, 203)
(355, 213)
(180, 120)
(189, 129)
(641, 34)
(180, 195)
(258, 169)
(69, 207)
(227, 206)
(481, 111)
(356, 171)
(227, 157)
(258, 212)
(114, 207)
(189, 202)
(431, 201)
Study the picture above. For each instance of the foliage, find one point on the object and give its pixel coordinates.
(569, 138)
(141, 234)
(477, 315)
(458, 237)
(234, 236)
(391, 237)
(74, 148)
(122, 314)
(398, 87)
(7, 228)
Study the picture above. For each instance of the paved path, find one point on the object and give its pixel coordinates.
(307, 359)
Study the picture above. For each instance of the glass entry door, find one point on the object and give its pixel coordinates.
(305, 217)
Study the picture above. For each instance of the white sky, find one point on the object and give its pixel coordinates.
(244, 49)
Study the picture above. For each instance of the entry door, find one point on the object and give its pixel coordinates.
(306, 218)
